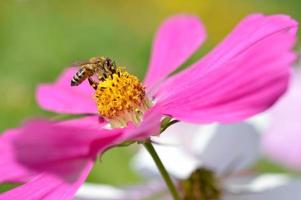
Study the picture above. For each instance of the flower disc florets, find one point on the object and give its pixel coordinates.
(201, 185)
(121, 98)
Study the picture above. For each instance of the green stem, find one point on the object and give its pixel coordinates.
(150, 148)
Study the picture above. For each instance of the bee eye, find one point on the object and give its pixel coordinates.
(108, 62)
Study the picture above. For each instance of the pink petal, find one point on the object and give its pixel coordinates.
(60, 97)
(176, 40)
(10, 170)
(282, 140)
(50, 186)
(42, 142)
(243, 76)
(52, 158)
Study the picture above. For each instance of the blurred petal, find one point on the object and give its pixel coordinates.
(60, 97)
(176, 40)
(177, 161)
(243, 76)
(50, 186)
(276, 187)
(175, 147)
(260, 122)
(90, 191)
(183, 134)
(229, 149)
(208, 148)
(41, 142)
(52, 158)
(282, 139)
(10, 170)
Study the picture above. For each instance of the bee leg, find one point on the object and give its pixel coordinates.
(93, 83)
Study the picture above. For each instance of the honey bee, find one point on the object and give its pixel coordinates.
(102, 67)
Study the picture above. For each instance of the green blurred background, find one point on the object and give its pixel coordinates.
(39, 38)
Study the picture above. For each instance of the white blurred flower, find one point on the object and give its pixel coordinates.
(227, 151)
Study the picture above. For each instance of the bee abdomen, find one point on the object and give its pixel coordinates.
(78, 78)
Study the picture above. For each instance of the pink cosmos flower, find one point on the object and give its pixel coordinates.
(242, 76)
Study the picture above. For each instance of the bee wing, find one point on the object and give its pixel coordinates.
(80, 63)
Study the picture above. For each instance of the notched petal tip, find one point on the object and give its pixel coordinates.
(176, 40)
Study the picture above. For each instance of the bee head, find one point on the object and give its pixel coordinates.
(108, 62)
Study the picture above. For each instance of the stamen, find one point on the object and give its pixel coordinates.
(121, 98)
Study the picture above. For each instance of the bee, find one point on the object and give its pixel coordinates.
(102, 67)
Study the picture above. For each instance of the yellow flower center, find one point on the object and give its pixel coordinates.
(121, 98)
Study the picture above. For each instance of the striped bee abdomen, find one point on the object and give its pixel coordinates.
(78, 77)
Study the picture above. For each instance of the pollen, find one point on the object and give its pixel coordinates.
(121, 98)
